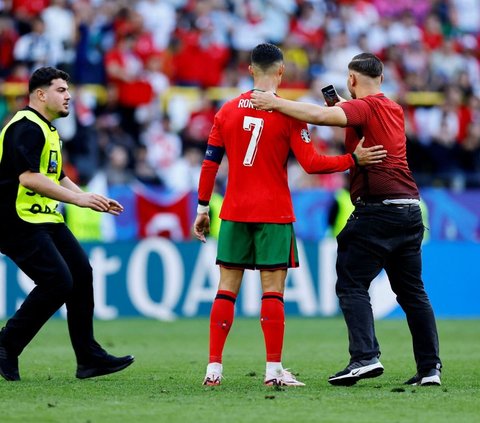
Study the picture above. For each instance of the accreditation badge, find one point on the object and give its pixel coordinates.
(53, 162)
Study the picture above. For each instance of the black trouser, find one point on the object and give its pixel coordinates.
(52, 257)
(386, 237)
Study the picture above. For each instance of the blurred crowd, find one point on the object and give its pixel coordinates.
(136, 51)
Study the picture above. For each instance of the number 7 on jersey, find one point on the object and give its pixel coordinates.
(255, 125)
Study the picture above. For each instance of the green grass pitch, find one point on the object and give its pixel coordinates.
(164, 384)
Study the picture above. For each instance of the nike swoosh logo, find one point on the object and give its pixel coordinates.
(355, 372)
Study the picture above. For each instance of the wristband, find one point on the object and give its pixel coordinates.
(203, 209)
(355, 159)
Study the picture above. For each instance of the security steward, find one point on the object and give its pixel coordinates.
(34, 236)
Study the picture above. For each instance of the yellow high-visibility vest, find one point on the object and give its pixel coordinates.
(32, 207)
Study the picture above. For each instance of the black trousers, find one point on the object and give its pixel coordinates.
(52, 257)
(386, 237)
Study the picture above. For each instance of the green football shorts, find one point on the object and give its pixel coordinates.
(267, 246)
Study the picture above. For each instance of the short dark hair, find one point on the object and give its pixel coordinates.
(265, 55)
(367, 64)
(44, 76)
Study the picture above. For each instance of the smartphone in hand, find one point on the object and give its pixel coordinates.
(330, 94)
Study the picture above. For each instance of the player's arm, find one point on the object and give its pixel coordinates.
(313, 162)
(306, 112)
(211, 163)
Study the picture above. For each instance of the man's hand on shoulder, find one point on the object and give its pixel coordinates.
(264, 100)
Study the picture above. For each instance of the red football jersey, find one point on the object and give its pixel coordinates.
(381, 121)
(257, 144)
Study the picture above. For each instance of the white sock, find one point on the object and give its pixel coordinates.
(214, 368)
(274, 368)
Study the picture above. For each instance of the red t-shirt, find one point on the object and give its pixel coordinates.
(29, 7)
(130, 93)
(381, 121)
(257, 144)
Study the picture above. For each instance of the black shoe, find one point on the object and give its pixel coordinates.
(8, 365)
(357, 370)
(431, 377)
(104, 366)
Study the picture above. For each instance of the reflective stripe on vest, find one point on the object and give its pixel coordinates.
(32, 207)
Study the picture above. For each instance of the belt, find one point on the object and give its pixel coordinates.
(361, 203)
(369, 203)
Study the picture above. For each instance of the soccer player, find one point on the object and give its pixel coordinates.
(257, 214)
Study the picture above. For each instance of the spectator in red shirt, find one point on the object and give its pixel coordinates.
(8, 38)
(200, 122)
(199, 59)
(385, 231)
(125, 72)
(25, 10)
(307, 28)
(432, 34)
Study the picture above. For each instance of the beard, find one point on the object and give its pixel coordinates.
(63, 113)
(350, 90)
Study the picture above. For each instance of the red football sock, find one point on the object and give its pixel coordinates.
(221, 320)
(272, 319)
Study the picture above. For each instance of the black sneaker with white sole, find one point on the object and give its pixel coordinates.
(357, 370)
(428, 378)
